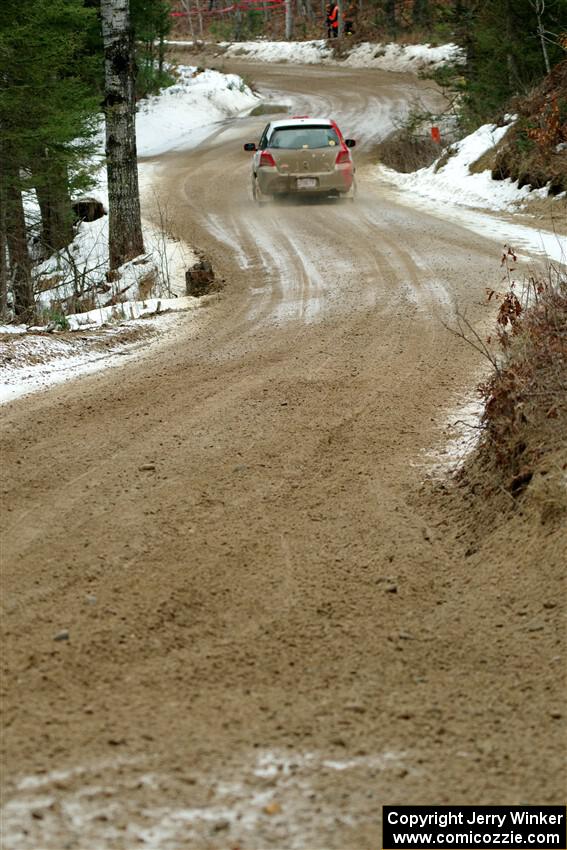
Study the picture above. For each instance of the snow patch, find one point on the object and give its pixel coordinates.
(13, 329)
(411, 58)
(261, 799)
(36, 361)
(462, 430)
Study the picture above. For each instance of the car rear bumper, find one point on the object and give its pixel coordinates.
(273, 182)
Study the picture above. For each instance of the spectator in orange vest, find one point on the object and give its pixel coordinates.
(328, 20)
(333, 19)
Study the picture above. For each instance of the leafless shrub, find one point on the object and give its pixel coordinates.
(525, 397)
(406, 152)
(411, 145)
(522, 453)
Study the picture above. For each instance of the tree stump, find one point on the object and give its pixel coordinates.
(200, 279)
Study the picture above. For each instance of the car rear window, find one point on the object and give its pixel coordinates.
(296, 138)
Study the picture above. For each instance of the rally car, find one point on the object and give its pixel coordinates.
(302, 155)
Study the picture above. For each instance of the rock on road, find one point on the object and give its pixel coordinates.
(232, 617)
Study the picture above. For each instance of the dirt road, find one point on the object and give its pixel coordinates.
(234, 615)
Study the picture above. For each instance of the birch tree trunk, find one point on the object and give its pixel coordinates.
(539, 6)
(124, 220)
(186, 4)
(288, 20)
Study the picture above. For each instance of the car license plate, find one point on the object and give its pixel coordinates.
(306, 183)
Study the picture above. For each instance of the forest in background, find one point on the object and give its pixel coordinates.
(52, 91)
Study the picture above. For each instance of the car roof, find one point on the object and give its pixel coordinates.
(299, 121)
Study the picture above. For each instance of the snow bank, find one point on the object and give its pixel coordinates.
(453, 183)
(13, 329)
(453, 192)
(297, 52)
(41, 360)
(410, 58)
(83, 266)
(129, 310)
(182, 115)
(403, 57)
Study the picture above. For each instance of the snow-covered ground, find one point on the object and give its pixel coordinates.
(409, 58)
(182, 116)
(454, 183)
(451, 190)
(38, 360)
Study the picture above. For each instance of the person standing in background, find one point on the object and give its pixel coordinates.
(328, 20)
(349, 14)
(333, 19)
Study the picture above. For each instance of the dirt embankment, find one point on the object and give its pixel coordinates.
(534, 151)
(507, 506)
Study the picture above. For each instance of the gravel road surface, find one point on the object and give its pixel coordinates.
(234, 614)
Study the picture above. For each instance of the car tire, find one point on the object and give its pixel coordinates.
(351, 194)
(259, 198)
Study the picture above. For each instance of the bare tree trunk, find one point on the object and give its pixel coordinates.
(288, 20)
(124, 220)
(539, 6)
(308, 6)
(390, 11)
(421, 13)
(3, 258)
(20, 261)
(52, 187)
(307, 10)
(511, 65)
(186, 4)
(238, 24)
(341, 17)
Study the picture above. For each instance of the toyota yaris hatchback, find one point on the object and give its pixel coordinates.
(302, 155)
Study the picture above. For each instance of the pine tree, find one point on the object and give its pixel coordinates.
(46, 108)
(151, 22)
(504, 50)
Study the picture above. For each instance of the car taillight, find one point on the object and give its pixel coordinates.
(343, 158)
(266, 158)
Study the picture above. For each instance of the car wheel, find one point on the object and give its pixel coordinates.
(257, 193)
(351, 194)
